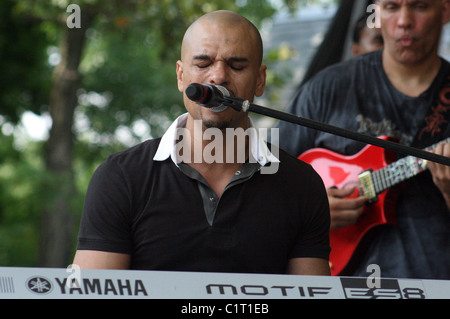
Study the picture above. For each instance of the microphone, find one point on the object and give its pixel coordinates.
(210, 96)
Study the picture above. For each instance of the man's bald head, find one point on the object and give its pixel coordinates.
(224, 19)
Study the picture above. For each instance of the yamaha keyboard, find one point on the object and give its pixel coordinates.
(73, 283)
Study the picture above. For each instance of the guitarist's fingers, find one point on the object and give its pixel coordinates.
(442, 149)
(344, 217)
(344, 211)
(346, 203)
(340, 192)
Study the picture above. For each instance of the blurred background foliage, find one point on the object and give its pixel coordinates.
(127, 93)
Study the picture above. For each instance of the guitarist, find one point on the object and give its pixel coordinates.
(399, 91)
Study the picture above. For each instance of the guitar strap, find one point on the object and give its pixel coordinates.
(437, 118)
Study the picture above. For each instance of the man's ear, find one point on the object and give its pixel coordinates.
(261, 81)
(180, 76)
(445, 11)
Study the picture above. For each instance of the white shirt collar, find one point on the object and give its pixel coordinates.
(258, 147)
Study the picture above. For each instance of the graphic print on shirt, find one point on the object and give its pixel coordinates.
(383, 128)
(438, 117)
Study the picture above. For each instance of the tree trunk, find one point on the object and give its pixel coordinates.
(58, 222)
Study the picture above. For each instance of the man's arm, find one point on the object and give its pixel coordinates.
(93, 259)
(308, 266)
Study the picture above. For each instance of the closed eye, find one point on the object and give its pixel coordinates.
(238, 64)
(202, 61)
(203, 65)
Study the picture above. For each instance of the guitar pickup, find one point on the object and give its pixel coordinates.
(367, 186)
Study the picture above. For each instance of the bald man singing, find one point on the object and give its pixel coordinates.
(165, 205)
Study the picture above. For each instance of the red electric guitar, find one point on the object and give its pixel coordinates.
(373, 171)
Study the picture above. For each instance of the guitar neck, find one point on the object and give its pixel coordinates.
(399, 171)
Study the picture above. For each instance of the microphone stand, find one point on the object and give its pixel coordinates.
(239, 104)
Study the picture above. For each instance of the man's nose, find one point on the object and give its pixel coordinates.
(219, 73)
(405, 18)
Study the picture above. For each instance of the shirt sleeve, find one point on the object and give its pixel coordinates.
(105, 222)
(313, 240)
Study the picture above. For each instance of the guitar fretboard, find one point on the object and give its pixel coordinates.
(400, 171)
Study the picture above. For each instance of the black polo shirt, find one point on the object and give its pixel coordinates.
(156, 212)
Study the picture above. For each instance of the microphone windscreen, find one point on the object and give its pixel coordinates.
(197, 92)
(207, 95)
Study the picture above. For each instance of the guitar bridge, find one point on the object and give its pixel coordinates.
(367, 187)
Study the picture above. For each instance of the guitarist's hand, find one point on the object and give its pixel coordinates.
(441, 173)
(344, 211)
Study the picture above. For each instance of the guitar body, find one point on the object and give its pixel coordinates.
(342, 172)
